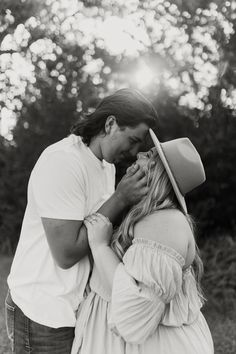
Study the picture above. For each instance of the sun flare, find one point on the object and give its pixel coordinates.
(143, 76)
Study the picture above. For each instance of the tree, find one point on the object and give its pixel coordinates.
(72, 53)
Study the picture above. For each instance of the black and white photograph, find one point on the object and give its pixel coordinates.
(117, 177)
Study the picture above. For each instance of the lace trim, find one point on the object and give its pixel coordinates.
(160, 246)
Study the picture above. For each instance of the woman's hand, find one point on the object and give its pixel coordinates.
(99, 236)
(99, 230)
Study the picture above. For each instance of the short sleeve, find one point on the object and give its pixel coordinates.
(144, 283)
(58, 186)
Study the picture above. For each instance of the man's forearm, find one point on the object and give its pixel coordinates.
(75, 252)
(113, 207)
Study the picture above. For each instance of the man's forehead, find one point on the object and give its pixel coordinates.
(139, 132)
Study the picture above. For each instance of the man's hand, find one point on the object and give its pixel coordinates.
(133, 186)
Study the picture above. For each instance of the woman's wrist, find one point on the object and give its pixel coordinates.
(99, 250)
(106, 262)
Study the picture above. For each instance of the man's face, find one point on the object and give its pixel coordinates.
(124, 143)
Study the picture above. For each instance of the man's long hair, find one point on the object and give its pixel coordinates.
(160, 196)
(129, 107)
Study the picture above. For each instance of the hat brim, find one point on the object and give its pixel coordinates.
(160, 151)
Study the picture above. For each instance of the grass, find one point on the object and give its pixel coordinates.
(223, 328)
(223, 331)
(219, 284)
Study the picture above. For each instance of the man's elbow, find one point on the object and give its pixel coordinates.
(65, 265)
(67, 261)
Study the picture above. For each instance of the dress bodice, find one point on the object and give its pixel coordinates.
(159, 272)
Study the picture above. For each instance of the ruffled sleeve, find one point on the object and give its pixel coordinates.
(147, 280)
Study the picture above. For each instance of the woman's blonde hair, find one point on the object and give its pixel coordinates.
(160, 196)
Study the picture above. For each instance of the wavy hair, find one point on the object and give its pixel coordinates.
(160, 196)
(129, 107)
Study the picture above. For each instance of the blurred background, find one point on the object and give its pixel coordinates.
(58, 58)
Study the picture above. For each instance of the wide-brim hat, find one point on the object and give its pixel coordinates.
(183, 165)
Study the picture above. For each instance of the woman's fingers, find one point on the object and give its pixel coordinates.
(102, 218)
(97, 218)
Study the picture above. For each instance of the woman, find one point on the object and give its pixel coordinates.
(146, 295)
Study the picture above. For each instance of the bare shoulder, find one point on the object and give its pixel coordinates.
(162, 221)
(169, 227)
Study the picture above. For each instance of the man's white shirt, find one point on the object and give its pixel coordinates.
(68, 182)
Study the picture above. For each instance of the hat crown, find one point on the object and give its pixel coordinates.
(185, 164)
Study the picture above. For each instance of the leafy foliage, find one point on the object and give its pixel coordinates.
(71, 60)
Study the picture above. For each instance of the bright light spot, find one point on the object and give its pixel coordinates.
(31, 22)
(22, 68)
(7, 122)
(79, 106)
(122, 36)
(144, 76)
(107, 70)
(42, 46)
(9, 17)
(206, 73)
(8, 43)
(174, 83)
(94, 66)
(229, 98)
(191, 100)
(96, 79)
(21, 35)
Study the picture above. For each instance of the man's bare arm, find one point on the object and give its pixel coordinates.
(68, 240)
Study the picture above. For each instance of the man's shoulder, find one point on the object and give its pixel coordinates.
(68, 147)
(70, 143)
(62, 155)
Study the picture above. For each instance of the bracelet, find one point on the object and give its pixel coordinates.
(104, 218)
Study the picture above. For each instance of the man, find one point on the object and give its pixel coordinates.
(71, 180)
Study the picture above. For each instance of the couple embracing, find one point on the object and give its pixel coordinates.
(78, 286)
